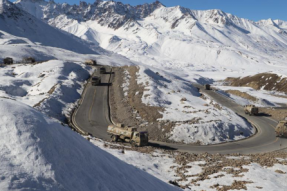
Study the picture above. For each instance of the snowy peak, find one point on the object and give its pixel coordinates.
(107, 13)
(217, 17)
(268, 22)
(21, 24)
(9, 10)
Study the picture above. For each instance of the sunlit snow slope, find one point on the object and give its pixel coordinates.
(22, 33)
(38, 153)
(173, 37)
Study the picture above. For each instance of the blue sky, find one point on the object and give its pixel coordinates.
(250, 9)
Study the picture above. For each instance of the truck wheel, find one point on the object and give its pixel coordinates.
(115, 138)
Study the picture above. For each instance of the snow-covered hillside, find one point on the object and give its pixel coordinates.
(37, 153)
(185, 45)
(30, 31)
(52, 87)
(203, 42)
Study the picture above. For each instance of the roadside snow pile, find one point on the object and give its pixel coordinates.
(197, 118)
(52, 87)
(37, 153)
(126, 83)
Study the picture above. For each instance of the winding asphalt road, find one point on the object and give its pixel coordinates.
(93, 114)
(93, 117)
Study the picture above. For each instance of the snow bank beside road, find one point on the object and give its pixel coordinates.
(52, 87)
(37, 153)
(264, 98)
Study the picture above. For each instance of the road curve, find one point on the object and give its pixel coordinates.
(93, 117)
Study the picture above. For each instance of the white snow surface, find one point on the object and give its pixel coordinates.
(37, 153)
(52, 87)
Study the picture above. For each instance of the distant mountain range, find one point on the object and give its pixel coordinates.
(159, 34)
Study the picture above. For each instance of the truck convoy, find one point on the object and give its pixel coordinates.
(102, 70)
(251, 110)
(128, 134)
(96, 81)
(281, 129)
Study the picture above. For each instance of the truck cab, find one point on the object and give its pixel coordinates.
(281, 129)
(96, 81)
(139, 139)
(102, 70)
(251, 110)
(207, 87)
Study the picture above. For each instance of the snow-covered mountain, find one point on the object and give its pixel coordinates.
(18, 27)
(174, 37)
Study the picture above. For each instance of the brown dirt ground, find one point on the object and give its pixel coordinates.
(277, 114)
(214, 164)
(241, 94)
(131, 111)
(266, 80)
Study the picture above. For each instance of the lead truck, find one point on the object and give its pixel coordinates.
(128, 134)
(251, 110)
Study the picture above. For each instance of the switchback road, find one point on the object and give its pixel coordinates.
(93, 117)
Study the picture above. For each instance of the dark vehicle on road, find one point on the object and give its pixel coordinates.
(96, 81)
(102, 70)
(8, 60)
(251, 110)
(207, 87)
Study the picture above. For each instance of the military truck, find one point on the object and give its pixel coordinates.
(251, 110)
(91, 62)
(28, 60)
(96, 81)
(281, 129)
(8, 60)
(128, 134)
(207, 87)
(102, 70)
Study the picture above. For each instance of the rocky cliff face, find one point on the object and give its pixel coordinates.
(108, 13)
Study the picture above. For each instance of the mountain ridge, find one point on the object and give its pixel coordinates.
(137, 12)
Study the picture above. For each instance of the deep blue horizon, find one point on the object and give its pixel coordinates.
(250, 9)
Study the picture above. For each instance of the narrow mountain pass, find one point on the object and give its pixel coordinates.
(93, 117)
